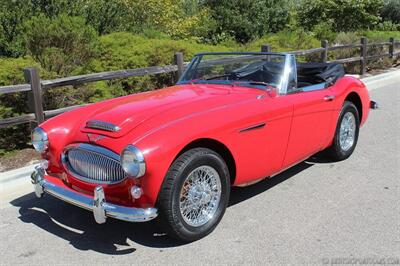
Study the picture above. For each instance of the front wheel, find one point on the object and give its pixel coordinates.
(194, 194)
(346, 134)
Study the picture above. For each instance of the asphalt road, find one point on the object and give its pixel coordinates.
(314, 213)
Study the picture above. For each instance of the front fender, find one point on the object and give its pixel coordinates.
(160, 150)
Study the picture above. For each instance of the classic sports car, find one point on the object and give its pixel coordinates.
(232, 119)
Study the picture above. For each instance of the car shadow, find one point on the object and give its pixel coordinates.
(117, 237)
(240, 194)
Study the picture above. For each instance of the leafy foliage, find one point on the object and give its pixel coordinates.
(124, 50)
(13, 104)
(246, 20)
(286, 41)
(391, 11)
(12, 15)
(344, 15)
(61, 43)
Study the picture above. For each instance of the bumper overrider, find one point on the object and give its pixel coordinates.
(98, 205)
(373, 105)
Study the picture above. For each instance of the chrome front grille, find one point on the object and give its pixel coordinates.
(93, 164)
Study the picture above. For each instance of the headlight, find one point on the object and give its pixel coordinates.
(40, 141)
(132, 161)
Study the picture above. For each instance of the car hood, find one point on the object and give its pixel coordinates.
(128, 112)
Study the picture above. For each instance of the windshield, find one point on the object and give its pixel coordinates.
(246, 69)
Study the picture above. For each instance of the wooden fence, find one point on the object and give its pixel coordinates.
(35, 86)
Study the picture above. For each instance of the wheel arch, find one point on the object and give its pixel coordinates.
(216, 146)
(356, 100)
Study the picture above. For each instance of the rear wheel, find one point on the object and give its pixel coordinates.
(194, 195)
(346, 134)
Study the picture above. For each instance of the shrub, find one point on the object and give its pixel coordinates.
(391, 11)
(248, 20)
(286, 41)
(323, 31)
(125, 50)
(196, 26)
(12, 15)
(380, 36)
(346, 15)
(388, 26)
(106, 16)
(60, 44)
(13, 104)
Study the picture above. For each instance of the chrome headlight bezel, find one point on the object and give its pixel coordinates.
(40, 140)
(132, 161)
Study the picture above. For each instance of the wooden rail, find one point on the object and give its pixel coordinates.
(76, 80)
(35, 86)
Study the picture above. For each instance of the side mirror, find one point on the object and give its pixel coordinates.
(272, 92)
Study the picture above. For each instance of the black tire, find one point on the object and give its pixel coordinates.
(170, 215)
(336, 152)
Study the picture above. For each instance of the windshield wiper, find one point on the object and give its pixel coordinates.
(219, 76)
(256, 83)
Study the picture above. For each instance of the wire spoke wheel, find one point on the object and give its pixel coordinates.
(347, 131)
(200, 196)
(194, 194)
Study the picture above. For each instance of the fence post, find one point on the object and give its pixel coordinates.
(178, 60)
(324, 54)
(391, 47)
(265, 48)
(35, 99)
(363, 63)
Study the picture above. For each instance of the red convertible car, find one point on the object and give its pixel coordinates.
(233, 119)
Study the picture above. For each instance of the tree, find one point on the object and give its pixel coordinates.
(12, 15)
(391, 11)
(60, 44)
(343, 15)
(246, 20)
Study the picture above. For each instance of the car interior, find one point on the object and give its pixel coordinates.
(310, 76)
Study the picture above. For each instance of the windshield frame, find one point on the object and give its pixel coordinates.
(282, 87)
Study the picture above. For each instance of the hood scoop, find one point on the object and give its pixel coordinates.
(101, 125)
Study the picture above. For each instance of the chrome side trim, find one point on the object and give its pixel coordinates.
(98, 205)
(97, 124)
(258, 126)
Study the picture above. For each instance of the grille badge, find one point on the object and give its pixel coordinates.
(94, 138)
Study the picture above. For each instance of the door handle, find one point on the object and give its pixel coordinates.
(329, 98)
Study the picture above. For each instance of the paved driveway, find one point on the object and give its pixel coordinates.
(314, 213)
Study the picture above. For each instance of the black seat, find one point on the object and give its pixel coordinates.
(315, 73)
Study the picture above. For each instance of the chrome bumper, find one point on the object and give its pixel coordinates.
(101, 209)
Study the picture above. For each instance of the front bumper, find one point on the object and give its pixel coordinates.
(98, 205)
